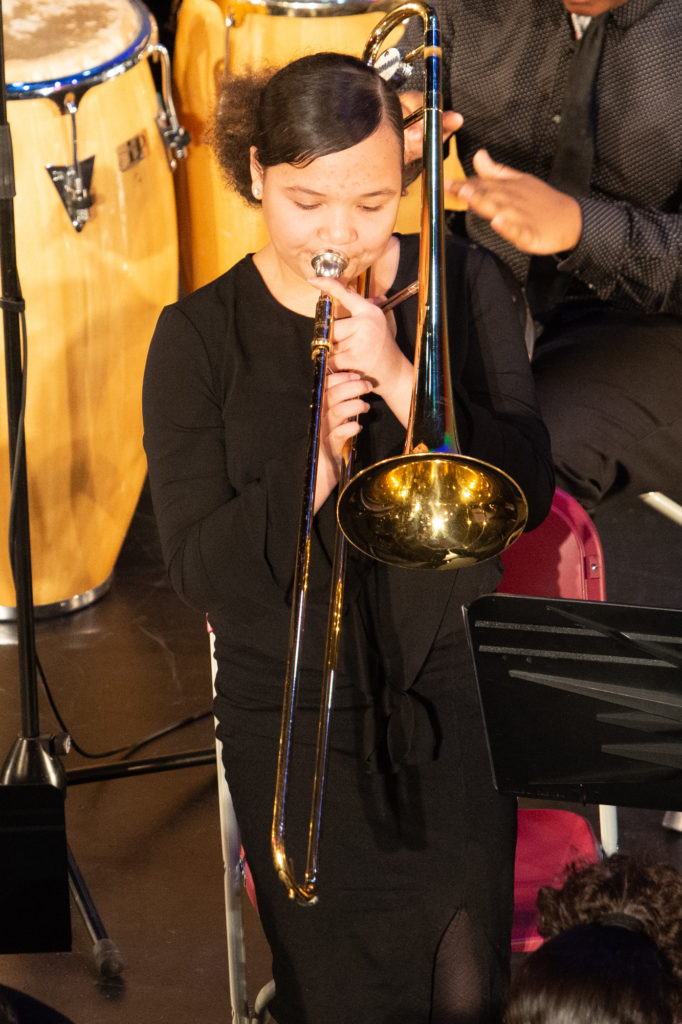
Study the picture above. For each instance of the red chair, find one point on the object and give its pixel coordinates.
(547, 842)
(563, 557)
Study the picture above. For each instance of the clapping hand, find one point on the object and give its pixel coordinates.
(525, 210)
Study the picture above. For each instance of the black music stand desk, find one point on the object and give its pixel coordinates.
(581, 700)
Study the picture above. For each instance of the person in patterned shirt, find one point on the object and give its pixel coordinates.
(607, 307)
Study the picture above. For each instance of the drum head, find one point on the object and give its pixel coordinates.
(46, 42)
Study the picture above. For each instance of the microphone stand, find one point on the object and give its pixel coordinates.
(32, 774)
(37, 870)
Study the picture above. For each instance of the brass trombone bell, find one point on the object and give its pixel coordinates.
(432, 511)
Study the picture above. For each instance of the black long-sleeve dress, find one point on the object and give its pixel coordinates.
(416, 854)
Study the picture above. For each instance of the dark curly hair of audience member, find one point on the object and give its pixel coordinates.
(614, 949)
(295, 115)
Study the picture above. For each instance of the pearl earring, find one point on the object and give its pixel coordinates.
(256, 191)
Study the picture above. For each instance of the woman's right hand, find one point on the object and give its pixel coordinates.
(342, 404)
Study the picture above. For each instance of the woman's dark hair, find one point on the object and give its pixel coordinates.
(319, 104)
(614, 954)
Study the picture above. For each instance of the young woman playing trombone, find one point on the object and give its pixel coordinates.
(414, 899)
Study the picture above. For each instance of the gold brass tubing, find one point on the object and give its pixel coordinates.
(304, 893)
(395, 300)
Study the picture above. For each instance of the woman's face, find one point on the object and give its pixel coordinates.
(346, 201)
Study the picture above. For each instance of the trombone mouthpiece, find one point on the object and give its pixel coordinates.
(329, 264)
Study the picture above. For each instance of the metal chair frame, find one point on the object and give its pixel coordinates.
(234, 885)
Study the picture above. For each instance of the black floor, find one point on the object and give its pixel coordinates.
(149, 846)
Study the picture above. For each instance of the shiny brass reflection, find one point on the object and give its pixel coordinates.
(432, 511)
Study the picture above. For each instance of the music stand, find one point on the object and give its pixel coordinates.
(581, 700)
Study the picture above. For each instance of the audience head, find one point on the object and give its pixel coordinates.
(613, 953)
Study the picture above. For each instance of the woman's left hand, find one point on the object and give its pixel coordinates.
(414, 135)
(525, 210)
(365, 343)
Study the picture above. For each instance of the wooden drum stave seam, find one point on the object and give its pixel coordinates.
(92, 300)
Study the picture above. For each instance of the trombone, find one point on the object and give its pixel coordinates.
(432, 506)
(325, 264)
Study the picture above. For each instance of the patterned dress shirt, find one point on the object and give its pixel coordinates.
(505, 71)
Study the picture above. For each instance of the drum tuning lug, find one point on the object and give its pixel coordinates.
(73, 185)
(73, 181)
(176, 139)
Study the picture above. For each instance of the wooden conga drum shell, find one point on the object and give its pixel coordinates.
(92, 300)
(215, 226)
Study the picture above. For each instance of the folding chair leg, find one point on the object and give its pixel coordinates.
(667, 507)
(236, 955)
(663, 504)
(234, 886)
(608, 827)
(263, 999)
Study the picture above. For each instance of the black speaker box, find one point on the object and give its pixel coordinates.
(34, 881)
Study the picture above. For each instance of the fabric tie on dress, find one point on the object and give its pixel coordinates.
(572, 166)
(412, 732)
(399, 728)
(406, 733)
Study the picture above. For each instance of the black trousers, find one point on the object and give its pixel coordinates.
(609, 384)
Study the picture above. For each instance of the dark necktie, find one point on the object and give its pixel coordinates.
(572, 165)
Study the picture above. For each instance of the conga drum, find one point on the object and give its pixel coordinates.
(97, 258)
(216, 227)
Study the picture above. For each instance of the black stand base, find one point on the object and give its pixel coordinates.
(108, 959)
(37, 869)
